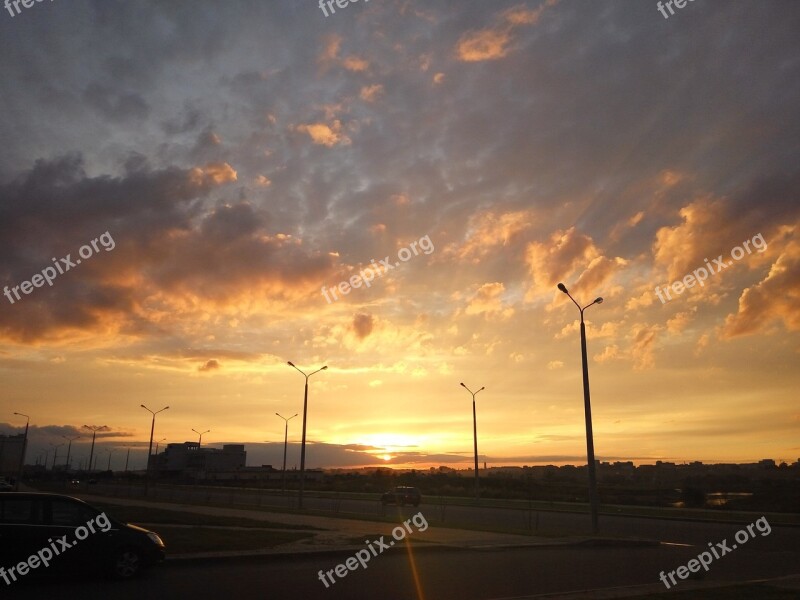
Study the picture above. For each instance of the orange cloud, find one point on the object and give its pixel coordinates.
(216, 173)
(775, 298)
(370, 93)
(487, 230)
(488, 300)
(325, 135)
(492, 43)
(354, 63)
(486, 44)
(682, 247)
(569, 256)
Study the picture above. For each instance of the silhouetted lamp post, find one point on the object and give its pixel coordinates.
(587, 406)
(200, 433)
(55, 455)
(24, 449)
(285, 443)
(110, 452)
(69, 448)
(475, 434)
(150, 447)
(303, 443)
(94, 429)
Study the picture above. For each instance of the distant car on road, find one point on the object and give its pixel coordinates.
(402, 495)
(6, 487)
(29, 522)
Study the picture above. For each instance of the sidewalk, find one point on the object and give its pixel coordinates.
(348, 535)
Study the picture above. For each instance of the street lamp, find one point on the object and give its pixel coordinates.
(150, 448)
(24, 449)
(475, 434)
(303, 443)
(69, 447)
(110, 452)
(158, 442)
(94, 429)
(285, 443)
(587, 406)
(200, 433)
(55, 455)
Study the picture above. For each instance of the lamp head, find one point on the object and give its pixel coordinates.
(290, 363)
(563, 288)
(323, 368)
(598, 300)
(462, 384)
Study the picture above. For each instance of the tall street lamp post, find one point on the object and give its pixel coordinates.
(94, 429)
(303, 443)
(55, 455)
(200, 433)
(150, 447)
(587, 406)
(110, 452)
(285, 443)
(69, 448)
(24, 449)
(475, 434)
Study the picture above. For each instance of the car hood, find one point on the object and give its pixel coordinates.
(136, 528)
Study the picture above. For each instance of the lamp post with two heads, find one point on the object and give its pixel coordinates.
(150, 447)
(94, 429)
(303, 442)
(69, 448)
(285, 443)
(475, 435)
(587, 407)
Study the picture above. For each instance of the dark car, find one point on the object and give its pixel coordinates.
(57, 533)
(402, 495)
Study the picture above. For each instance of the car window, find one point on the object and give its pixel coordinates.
(20, 510)
(65, 512)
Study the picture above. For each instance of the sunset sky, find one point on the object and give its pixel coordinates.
(245, 155)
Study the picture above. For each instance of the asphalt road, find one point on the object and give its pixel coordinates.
(442, 574)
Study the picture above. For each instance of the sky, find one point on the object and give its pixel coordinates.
(441, 166)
